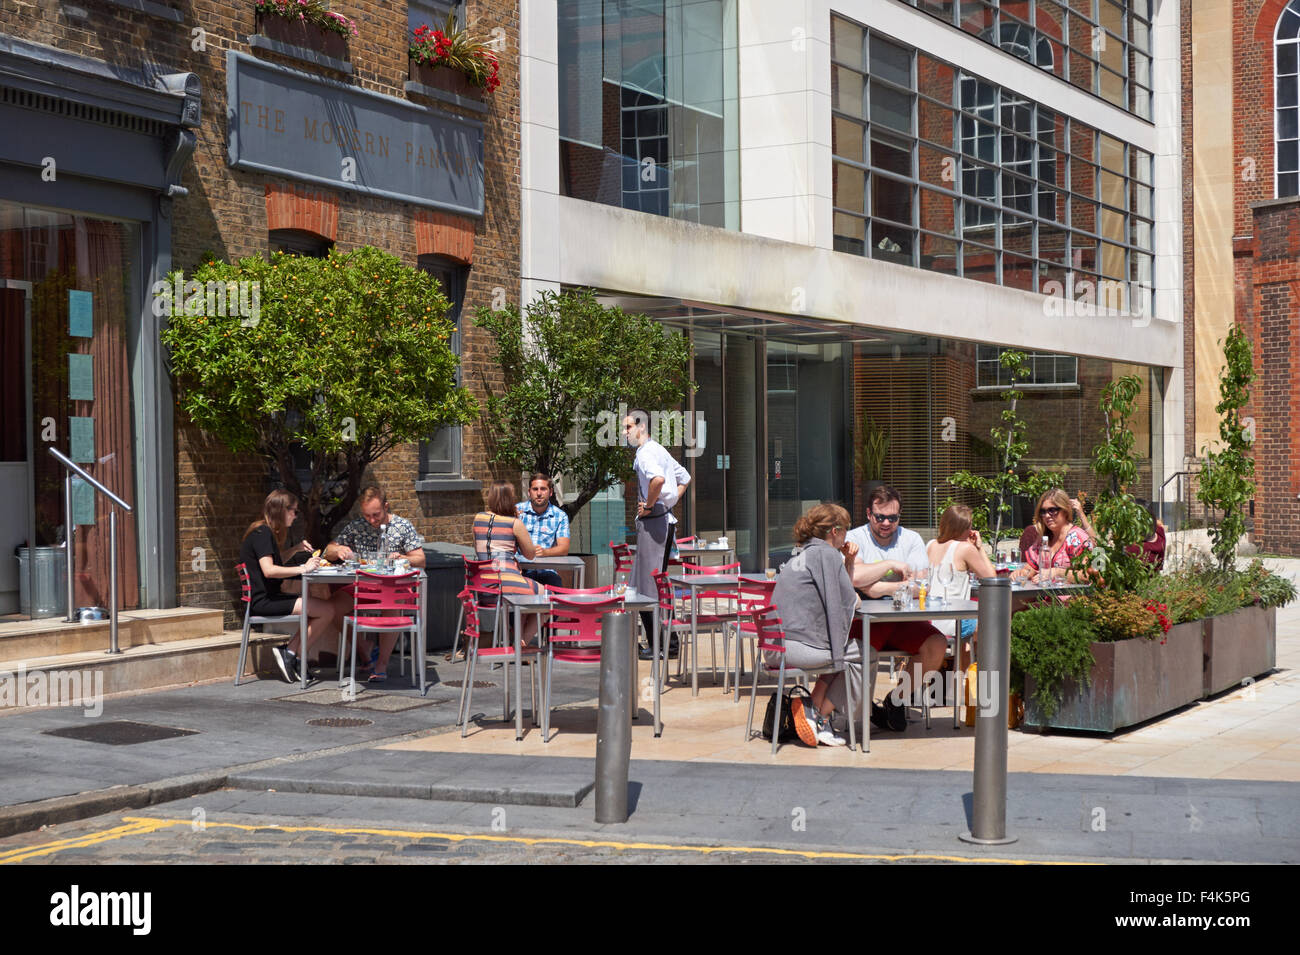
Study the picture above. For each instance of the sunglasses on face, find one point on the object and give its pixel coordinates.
(884, 518)
(1050, 511)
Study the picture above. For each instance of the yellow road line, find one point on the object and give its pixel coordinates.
(141, 825)
(134, 827)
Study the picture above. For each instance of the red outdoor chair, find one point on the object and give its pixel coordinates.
(474, 570)
(574, 640)
(384, 603)
(622, 557)
(770, 637)
(245, 596)
(751, 595)
(721, 613)
(474, 637)
(581, 591)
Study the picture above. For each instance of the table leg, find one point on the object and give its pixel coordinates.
(695, 668)
(302, 634)
(421, 633)
(656, 670)
(519, 665)
(868, 685)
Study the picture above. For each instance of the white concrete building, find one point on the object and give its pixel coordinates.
(851, 205)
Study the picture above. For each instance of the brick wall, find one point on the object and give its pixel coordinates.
(226, 212)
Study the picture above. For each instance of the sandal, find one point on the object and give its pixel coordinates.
(377, 678)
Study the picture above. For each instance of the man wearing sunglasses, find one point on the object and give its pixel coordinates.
(886, 554)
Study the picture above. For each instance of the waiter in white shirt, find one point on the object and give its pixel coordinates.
(660, 480)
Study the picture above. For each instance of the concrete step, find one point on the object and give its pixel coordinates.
(28, 639)
(150, 667)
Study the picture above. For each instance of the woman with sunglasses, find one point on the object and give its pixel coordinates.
(1061, 540)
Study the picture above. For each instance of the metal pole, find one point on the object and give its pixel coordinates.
(613, 719)
(112, 580)
(989, 810)
(69, 528)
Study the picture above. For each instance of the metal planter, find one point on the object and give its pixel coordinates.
(1132, 681)
(1238, 645)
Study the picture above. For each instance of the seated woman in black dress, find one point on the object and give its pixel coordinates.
(260, 555)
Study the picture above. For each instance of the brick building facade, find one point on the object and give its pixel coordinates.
(1264, 259)
(232, 213)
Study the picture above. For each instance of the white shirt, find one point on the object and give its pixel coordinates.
(905, 546)
(652, 461)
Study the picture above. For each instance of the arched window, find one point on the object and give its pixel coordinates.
(1286, 110)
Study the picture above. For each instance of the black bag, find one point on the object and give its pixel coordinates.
(788, 733)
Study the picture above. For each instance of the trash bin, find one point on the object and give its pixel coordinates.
(445, 566)
(50, 582)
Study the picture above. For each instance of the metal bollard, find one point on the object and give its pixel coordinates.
(993, 667)
(613, 719)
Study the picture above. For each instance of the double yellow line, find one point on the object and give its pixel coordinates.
(142, 825)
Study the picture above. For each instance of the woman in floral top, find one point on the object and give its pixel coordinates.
(1063, 540)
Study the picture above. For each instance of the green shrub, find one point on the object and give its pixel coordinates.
(1051, 643)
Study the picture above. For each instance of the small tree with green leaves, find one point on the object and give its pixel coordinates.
(1120, 521)
(569, 361)
(1226, 478)
(345, 357)
(996, 492)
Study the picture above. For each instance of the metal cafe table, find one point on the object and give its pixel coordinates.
(542, 604)
(576, 564)
(882, 611)
(342, 575)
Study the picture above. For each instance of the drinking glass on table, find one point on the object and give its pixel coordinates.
(620, 584)
(770, 573)
(943, 576)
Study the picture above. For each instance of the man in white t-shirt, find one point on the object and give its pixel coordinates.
(660, 481)
(886, 554)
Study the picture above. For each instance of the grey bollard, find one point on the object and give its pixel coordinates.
(614, 719)
(993, 667)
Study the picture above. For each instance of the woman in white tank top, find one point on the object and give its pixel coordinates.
(958, 545)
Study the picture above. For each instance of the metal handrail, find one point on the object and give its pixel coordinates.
(70, 529)
(76, 469)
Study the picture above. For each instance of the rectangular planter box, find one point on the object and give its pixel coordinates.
(1239, 645)
(1132, 681)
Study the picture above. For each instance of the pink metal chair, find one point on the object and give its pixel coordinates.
(245, 597)
(771, 638)
(751, 595)
(574, 640)
(474, 637)
(385, 603)
(474, 571)
(721, 614)
(622, 557)
(581, 591)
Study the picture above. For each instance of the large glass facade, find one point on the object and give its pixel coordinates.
(648, 106)
(67, 350)
(1102, 46)
(940, 169)
(764, 462)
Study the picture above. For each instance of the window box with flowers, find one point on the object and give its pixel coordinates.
(453, 60)
(305, 25)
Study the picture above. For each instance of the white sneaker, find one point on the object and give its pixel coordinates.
(825, 736)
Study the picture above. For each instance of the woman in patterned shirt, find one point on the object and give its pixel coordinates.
(498, 533)
(1061, 539)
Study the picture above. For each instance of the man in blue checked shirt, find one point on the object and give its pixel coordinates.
(547, 525)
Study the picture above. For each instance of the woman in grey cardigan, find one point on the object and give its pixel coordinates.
(815, 597)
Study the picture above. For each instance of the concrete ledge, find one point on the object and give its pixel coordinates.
(446, 777)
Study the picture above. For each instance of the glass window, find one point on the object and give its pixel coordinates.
(432, 13)
(1034, 192)
(1045, 368)
(440, 455)
(1287, 115)
(647, 104)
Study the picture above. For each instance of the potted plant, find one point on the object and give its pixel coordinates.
(306, 23)
(453, 60)
(869, 455)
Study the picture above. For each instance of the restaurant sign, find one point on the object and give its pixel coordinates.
(293, 124)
